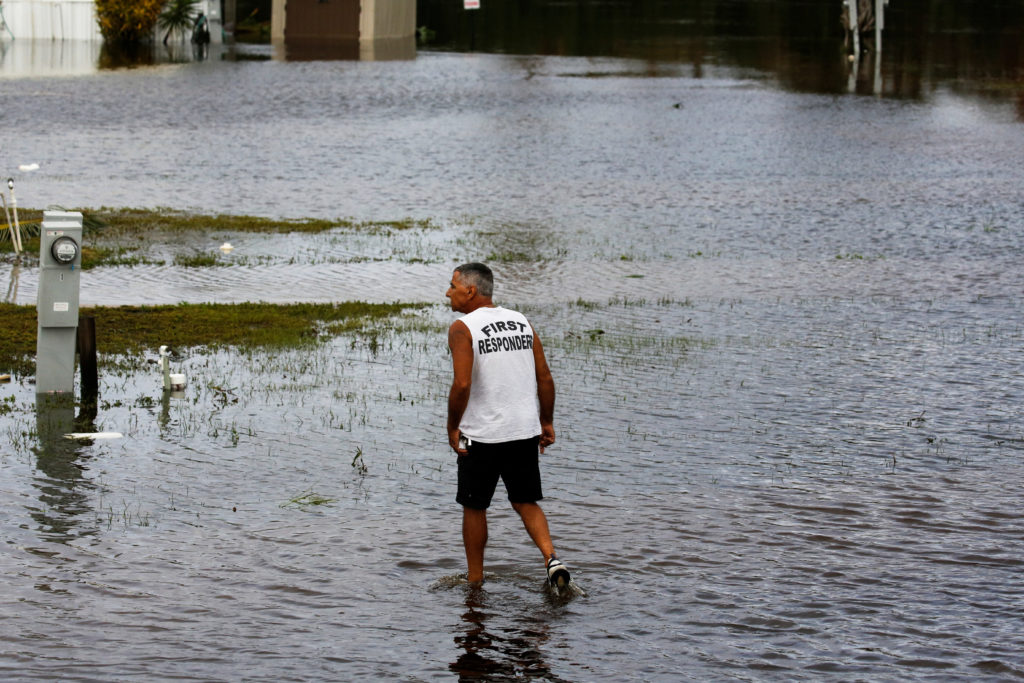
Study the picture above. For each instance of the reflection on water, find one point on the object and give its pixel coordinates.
(49, 57)
(12, 284)
(65, 494)
(39, 58)
(493, 652)
(972, 46)
(380, 50)
(164, 419)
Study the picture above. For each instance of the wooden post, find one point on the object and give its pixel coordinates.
(87, 358)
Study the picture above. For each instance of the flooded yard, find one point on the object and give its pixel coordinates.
(784, 324)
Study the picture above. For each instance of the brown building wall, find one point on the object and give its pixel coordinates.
(322, 20)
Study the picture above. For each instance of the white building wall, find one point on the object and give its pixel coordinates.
(75, 20)
(50, 20)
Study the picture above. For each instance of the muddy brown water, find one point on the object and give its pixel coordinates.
(785, 324)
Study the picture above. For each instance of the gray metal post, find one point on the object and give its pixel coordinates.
(60, 262)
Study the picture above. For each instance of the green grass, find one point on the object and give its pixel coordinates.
(107, 220)
(126, 330)
(28, 220)
(197, 261)
(129, 221)
(308, 499)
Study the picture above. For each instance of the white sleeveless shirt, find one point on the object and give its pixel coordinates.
(503, 403)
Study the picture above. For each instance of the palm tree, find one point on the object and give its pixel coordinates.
(177, 16)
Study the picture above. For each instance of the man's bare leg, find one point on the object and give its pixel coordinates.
(536, 524)
(474, 537)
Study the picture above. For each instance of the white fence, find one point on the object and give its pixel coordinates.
(49, 20)
(72, 20)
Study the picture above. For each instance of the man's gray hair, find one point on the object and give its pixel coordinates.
(479, 275)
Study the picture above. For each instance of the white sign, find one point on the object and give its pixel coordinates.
(60, 306)
(470, 4)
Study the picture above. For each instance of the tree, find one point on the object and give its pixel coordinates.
(178, 15)
(127, 21)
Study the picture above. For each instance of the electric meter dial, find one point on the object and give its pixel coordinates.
(64, 250)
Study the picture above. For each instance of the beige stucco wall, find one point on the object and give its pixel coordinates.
(387, 19)
(277, 21)
(378, 19)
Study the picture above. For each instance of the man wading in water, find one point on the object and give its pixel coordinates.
(500, 409)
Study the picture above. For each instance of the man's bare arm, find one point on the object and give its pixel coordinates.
(545, 394)
(460, 341)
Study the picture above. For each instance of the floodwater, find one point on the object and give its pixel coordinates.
(782, 305)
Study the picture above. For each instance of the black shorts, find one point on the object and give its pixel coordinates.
(515, 462)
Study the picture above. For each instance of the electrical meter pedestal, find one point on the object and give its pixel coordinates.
(60, 265)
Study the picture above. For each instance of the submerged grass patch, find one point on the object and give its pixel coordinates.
(308, 499)
(164, 219)
(103, 229)
(125, 330)
(516, 244)
(197, 261)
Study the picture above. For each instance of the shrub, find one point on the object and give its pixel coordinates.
(127, 21)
